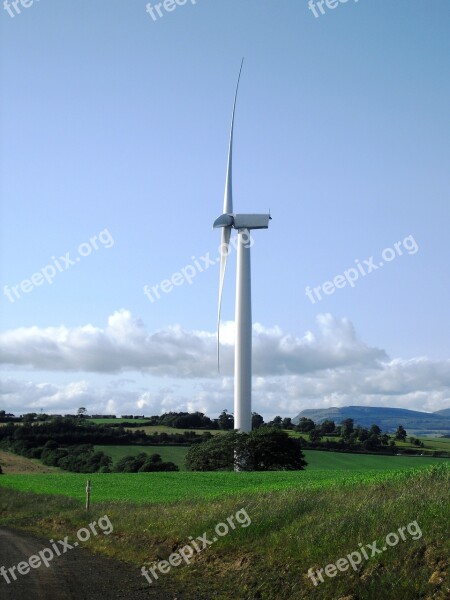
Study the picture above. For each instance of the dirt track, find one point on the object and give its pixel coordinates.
(77, 574)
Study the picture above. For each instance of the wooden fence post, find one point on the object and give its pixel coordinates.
(88, 494)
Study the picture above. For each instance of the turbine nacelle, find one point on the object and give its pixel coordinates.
(243, 221)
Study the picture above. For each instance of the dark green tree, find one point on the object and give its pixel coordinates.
(327, 427)
(257, 421)
(264, 449)
(400, 434)
(347, 428)
(226, 420)
(305, 425)
(374, 430)
(286, 423)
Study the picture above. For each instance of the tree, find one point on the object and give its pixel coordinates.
(264, 449)
(226, 420)
(81, 412)
(29, 417)
(276, 422)
(374, 430)
(372, 443)
(362, 433)
(315, 435)
(347, 428)
(286, 423)
(270, 449)
(216, 454)
(400, 434)
(305, 425)
(257, 421)
(143, 463)
(327, 427)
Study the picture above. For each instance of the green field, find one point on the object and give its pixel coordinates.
(325, 469)
(299, 521)
(431, 443)
(316, 459)
(149, 429)
(343, 461)
(109, 421)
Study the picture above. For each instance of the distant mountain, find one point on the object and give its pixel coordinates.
(416, 422)
(444, 413)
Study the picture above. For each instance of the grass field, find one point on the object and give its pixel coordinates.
(313, 520)
(440, 444)
(12, 463)
(316, 459)
(325, 469)
(152, 428)
(109, 421)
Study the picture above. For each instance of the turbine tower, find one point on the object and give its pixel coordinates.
(243, 223)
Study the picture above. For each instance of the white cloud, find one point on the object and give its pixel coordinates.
(329, 367)
(19, 397)
(125, 345)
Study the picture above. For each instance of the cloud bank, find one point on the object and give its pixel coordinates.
(331, 366)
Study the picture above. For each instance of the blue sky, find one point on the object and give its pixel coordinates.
(116, 126)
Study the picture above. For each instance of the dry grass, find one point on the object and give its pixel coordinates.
(14, 464)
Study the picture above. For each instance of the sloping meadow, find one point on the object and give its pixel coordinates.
(297, 525)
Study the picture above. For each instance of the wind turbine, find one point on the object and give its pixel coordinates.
(243, 223)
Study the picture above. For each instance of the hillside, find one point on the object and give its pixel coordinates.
(12, 463)
(443, 413)
(268, 553)
(388, 419)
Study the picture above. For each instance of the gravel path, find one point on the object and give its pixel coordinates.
(77, 574)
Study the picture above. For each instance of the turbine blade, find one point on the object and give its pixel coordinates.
(228, 199)
(227, 210)
(224, 248)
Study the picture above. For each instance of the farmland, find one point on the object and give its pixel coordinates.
(316, 516)
(270, 559)
(325, 470)
(316, 459)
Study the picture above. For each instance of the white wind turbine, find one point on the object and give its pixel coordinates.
(244, 223)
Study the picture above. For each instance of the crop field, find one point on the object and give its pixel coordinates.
(325, 470)
(112, 421)
(440, 444)
(343, 461)
(316, 459)
(315, 517)
(175, 454)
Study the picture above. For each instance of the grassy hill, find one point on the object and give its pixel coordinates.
(443, 413)
(316, 459)
(415, 422)
(309, 525)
